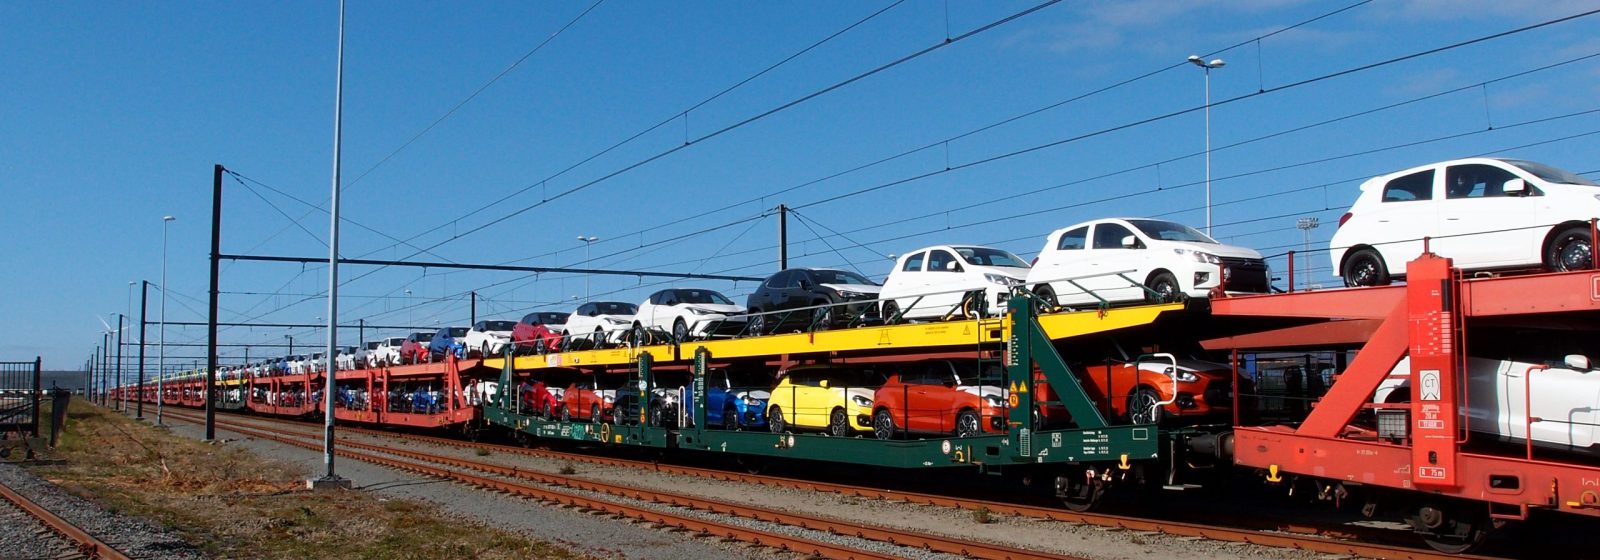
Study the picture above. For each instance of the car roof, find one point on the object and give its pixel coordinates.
(1384, 178)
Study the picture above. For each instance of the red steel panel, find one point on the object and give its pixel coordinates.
(1434, 345)
(1347, 332)
(1538, 293)
(1344, 303)
(1357, 383)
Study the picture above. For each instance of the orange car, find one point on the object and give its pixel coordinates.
(938, 397)
(1202, 389)
(582, 401)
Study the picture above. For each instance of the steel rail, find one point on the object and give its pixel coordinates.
(915, 539)
(1314, 539)
(87, 543)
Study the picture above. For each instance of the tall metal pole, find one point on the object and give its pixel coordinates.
(119, 346)
(783, 237)
(105, 365)
(211, 320)
(144, 300)
(118, 384)
(161, 361)
(329, 479)
(1208, 151)
(474, 314)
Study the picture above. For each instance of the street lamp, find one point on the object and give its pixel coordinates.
(1306, 225)
(586, 242)
(1208, 66)
(161, 362)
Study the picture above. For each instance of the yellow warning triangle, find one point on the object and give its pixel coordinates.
(1022, 387)
(883, 338)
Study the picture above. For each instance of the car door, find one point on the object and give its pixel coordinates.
(1478, 225)
(945, 277)
(1107, 255)
(909, 281)
(1066, 261)
(1406, 213)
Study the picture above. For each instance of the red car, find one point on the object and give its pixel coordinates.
(540, 399)
(1197, 389)
(939, 397)
(582, 401)
(415, 348)
(539, 331)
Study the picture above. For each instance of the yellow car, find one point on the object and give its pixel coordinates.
(836, 399)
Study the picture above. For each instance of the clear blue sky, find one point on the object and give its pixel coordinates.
(111, 116)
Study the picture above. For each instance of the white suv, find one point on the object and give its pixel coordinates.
(1484, 213)
(387, 353)
(1134, 259)
(930, 282)
(688, 313)
(604, 319)
(489, 338)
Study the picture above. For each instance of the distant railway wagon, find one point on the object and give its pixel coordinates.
(1405, 400)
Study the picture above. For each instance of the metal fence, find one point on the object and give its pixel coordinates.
(19, 397)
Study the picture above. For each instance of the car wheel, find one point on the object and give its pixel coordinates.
(639, 338)
(1047, 296)
(484, 352)
(822, 318)
(566, 415)
(838, 423)
(1142, 407)
(599, 336)
(561, 345)
(758, 323)
(883, 424)
(972, 308)
(967, 424)
(1365, 268)
(730, 419)
(655, 415)
(775, 420)
(1165, 288)
(549, 411)
(540, 347)
(1571, 249)
(680, 331)
(890, 309)
(594, 413)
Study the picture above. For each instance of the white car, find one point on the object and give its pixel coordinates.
(1484, 213)
(489, 338)
(346, 359)
(930, 282)
(364, 357)
(388, 352)
(687, 313)
(1140, 259)
(1565, 397)
(608, 320)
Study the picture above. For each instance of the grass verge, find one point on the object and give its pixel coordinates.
(232, 503)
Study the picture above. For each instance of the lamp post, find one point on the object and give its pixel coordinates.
(1208, 66)
(161, 360)
(586, 242)
(1306, 225)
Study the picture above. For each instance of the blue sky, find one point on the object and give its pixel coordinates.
(113, 115)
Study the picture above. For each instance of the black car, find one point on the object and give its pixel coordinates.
(797, 288)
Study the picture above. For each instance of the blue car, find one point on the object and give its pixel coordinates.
(447, 340)
(731, 406)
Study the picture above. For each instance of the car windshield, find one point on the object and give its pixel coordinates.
(1170, 231)
(372, 345)
(825, 276)
(1552, 174)
(424, 336)
(498, 325)
(396, 341)
(702, 296)
(549, 317)
(838, 377)
(616, 308)
(457, 332)
(984, 256)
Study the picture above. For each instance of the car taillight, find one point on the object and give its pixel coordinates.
(1344, 218)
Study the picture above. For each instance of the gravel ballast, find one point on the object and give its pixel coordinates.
(132, 536)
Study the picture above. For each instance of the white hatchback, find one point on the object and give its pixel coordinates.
(489, 338)
(1140, 259)
(931, 282)
(607, 320)
(1565, 400)
(1483, 213)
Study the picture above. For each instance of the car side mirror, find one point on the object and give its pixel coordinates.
(952, 266)
(805, 284)
(1130, 242)
(823, 384)
(1516, 187)
(1576, 361)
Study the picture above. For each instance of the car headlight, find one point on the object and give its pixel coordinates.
(1199, 256)
(848, 294)
(751, 402)
(698, 311)
(607, 400)
(615, 321)
(1187, 377)
(995, 401)
(1000, 279)
(861, 401)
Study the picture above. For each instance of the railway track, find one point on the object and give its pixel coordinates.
(425, 463)
(1300, 537)
(78, 542)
